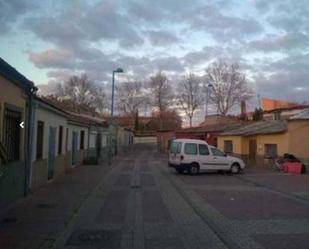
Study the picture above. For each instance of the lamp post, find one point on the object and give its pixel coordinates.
(118, 70)
(207, 97)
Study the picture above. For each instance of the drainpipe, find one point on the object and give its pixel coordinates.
(30, 129)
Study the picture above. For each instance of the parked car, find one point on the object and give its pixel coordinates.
(194, 156)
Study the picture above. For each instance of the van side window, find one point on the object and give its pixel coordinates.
(217, 152)
(190, 149)
(203, 149)
(176, 147)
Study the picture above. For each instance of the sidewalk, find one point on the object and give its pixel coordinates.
(37, 220)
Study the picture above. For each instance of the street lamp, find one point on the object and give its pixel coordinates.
(118, 70)
(208, 87)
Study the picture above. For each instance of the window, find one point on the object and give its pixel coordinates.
(203, 149)
(11, 134)
(191, 149)
(176, 147)
(217, 152)
(82, 139)
(60, 135)
(270, 150)
(228, 146)
(277, 115)
(39, 140)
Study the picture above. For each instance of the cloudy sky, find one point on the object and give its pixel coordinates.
(49, 40)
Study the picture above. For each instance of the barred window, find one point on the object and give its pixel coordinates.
(271, 150)
(11, 134)
(60, 138)
(82, 139)
(228, 146)
(40, 140)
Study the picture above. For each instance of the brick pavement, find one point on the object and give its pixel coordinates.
(139, 203)
(38, 219)
(265, 206)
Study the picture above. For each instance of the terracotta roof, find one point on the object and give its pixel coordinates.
(72, 116)
(11, 74)
(87, 120)
(51, 104)
(304, 115)
(288, 108)
(210, 128)
(259, 128)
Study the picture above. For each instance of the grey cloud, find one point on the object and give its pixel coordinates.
(290, 15)
(52, 58)
(162, 38)
(298, 63)
(168, 64)
(292, 86)
(223, 27)
(11, 10)
(60, 75)
(160, 11)
(93, 23)
(286, 42)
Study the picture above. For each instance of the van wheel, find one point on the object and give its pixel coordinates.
(180, 171)
(235, 168)
(194, 169)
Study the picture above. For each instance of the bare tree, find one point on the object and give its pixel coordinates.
(171, 118)
(229, 86)
(160, 94)
(190, 97)
(130, 97)
(80, 90)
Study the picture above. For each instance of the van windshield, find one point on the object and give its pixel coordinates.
(175, 147)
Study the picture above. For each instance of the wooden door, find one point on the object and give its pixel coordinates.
(252, 149)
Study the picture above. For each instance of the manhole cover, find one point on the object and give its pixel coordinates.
(9, 220)
(46, 205)
(102, 238)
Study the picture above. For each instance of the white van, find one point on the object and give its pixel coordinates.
(193, 156)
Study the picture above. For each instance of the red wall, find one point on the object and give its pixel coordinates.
(211, 140)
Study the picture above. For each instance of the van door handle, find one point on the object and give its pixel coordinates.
(215, 157)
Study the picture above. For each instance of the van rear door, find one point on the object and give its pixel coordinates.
(174, 153)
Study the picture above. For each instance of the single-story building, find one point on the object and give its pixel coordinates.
(260, 142)
(125, 139)
(49, 151)
(16, 98)
(208, 131)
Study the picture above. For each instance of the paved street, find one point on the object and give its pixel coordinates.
(139, 202)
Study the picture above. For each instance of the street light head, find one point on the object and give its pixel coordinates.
(119, 70)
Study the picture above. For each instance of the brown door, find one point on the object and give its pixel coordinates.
(252, 149)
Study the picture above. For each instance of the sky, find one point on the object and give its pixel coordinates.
(48, 41)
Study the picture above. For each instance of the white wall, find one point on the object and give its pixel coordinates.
(92, 139)
(78, 129)
(50, 119)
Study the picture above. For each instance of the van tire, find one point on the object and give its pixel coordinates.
(179, 171)
(235, 168)
(194, 169)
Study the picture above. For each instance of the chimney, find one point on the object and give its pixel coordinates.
(243, 108)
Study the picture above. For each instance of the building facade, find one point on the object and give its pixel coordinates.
(261, 142)
(15, 127)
